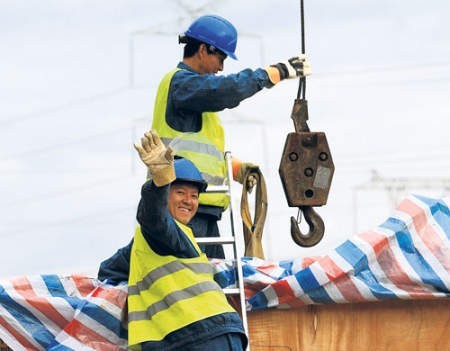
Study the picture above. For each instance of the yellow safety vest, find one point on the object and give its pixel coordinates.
(166, 293)
(204, 148)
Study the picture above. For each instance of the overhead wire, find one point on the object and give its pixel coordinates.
(33, 152)
(62, 107)
(75, 189)
(345, 72)
(78, 220)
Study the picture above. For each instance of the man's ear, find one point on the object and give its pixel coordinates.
(202, 50)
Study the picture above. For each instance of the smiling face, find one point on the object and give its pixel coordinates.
(183, 201)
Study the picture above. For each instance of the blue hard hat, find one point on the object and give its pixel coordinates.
(186, 171)
(216, 31)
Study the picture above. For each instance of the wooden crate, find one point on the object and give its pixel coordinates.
(375, 326)
(3, 347)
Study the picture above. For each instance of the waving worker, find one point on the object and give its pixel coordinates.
(173, 301)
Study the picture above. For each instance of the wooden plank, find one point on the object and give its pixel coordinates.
(3, 346)
(375, 326)
(420, 325)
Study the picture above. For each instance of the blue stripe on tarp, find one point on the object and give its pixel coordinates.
(248, 270)
(25, 318)
(54, 285)
(358, 259)
(56, 289)
(56, 346)
(439, 211)
(311, 286)
(412, 255)
(258, 301)
(101, 316)
(287, 266)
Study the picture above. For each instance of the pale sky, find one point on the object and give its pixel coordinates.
(77, 88)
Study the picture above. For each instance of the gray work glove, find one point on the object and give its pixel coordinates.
(294, 67)
(157, 158)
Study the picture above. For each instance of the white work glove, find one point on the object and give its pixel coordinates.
(157, 158)
(294, 67)
(251, 180)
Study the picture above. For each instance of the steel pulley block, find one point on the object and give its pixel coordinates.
(306, 169)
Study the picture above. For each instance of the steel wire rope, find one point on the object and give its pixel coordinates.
(302, 83)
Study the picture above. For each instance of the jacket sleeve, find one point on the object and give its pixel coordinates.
(209, 92)
(116, 269)
(158, 227)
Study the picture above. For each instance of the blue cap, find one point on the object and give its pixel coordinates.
(186, 171)
(216, 31)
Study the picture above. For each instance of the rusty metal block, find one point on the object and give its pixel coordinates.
(306, 169)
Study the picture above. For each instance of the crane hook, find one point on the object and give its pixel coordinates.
(316, 228)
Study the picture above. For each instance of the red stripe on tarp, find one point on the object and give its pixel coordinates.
(342, 281)
(389, 264)
(283, 291)
(267, 269)
(426, 232)
(307, 261)
(251, 289)
(113, 295)
(17, 335)
(88, 337)
(84, 284)
(22, 286)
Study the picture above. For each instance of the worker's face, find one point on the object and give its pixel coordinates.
(211, 62)
(183, 201)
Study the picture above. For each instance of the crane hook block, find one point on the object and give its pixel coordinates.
(306, 169)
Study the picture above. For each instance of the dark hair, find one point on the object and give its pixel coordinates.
(191, 47)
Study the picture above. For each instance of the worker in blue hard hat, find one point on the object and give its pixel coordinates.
(173, 301)
(189, 98)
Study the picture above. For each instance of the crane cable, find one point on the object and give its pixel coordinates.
(302, 84)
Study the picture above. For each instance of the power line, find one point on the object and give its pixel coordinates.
(75, 189)
(383, 69)
(41, 113)
(33, 152)
(80, 219)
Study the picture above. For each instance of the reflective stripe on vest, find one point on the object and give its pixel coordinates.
(171, 299)
(190, 148)
(169, 268)
(164, 288)
(195, 146)
(204, 148)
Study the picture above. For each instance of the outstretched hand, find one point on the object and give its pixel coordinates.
(157, 158)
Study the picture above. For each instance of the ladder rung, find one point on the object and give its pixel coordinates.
(231, 291)
(215, 240)
(217, 189)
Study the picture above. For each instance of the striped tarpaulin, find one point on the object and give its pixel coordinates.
(53, 312)
(406, 257)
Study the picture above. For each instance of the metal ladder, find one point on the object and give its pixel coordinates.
(236, 240)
